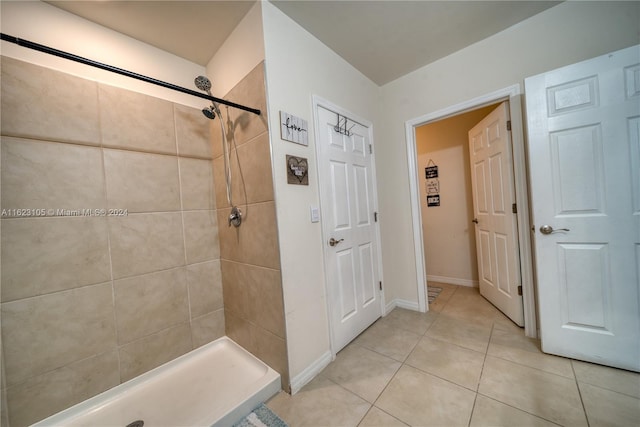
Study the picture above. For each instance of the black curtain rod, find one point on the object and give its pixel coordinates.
(80, 59)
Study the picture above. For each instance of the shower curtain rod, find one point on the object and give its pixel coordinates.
(86, 61)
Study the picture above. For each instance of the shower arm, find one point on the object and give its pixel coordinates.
(96, 64)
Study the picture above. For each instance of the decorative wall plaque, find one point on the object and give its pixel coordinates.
(294, 129)
(297, 170)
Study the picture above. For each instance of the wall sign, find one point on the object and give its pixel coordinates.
(433, 200)
(432, 184)
(294, 129)
(297, 170)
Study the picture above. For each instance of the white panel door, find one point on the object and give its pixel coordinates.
(351, 245)
(496, 226)
(584, 152)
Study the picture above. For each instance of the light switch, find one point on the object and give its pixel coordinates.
(315, 214)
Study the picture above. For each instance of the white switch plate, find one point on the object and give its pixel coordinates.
(315, 214)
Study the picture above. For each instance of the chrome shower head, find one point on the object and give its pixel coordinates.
(203, 83)
(209, 112)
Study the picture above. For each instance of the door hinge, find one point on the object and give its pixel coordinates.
(370, 149)
(514, 208)
(380, 283)
(508, 124)
(375, 217)
(520, 290)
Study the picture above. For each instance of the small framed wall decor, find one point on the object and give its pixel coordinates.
(297, 170)
(294, 129)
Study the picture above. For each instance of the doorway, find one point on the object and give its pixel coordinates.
(513, 95)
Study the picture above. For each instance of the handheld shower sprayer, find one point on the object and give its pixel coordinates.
(204, 84)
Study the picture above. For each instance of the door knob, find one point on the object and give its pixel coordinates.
(474, 220)
(333, 242)
(547, 229)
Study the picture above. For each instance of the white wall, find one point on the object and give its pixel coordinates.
(564, 34)
(450, 255)
(45, 24)
(239, 54)
(299, 66)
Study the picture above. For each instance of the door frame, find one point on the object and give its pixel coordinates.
(318, 101)
(513, 94)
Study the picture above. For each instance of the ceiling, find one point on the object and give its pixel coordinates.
(383, 39)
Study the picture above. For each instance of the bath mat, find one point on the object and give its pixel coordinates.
(432, 293)
(261, 417)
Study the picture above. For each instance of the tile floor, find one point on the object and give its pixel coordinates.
(461, 364)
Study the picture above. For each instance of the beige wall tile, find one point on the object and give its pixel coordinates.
(235, 290)
(272, 350)
(255, 163)
(252, 180)
(143, 243)
(207, 328)
(240, 330)
(150, 303)
(196, 183)
(192, 131)
(250, 91)
(42, 103)
(255, 241)
(43, 255)
(205, 288)
(51, 176)
(147, 353)
(201, 236)
(136, 121)
(47, 394)
(141, 182)
(44, 333)
(255, 293)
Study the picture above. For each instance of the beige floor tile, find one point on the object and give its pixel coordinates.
(444, 296)
(320, 403)
(488, 412)
(467, 304)
(464, 333)
(421, 399)
(409, 320)
(378, 418)
(552, 397)
(362, 371)
(392, 342)
(608, 408)
(515, 347)
(619, 380)
(448, 361)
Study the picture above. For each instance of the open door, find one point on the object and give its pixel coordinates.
(584, 151)
(495, 221)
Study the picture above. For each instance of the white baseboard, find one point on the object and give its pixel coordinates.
(409, 305)
(310, 372)
(452, 281)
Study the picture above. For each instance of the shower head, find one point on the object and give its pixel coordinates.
(203, 83)
(209, 112)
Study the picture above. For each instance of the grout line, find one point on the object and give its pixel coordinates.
(584, 409)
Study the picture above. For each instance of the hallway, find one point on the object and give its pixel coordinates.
(461, 364)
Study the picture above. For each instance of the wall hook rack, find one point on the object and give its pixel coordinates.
(341, 126)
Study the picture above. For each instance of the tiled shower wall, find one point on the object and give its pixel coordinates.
(250, 256)
(116, 268)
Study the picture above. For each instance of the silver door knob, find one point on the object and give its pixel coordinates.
(547, 229)
(333, 242)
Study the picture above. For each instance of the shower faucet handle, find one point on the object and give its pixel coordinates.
(235, 217)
